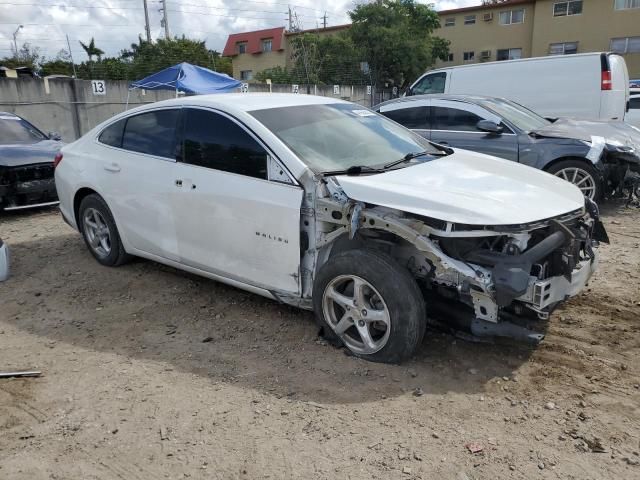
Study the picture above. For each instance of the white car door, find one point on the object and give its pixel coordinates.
(137, 175)
(233, 218)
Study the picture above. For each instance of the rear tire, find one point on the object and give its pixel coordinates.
(100, 232)
(367, 302)
(581, 173)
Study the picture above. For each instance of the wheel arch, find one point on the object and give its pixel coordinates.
(80, 195)
(564, 158)
(372, 238)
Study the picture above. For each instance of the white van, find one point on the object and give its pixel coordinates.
(592, 86)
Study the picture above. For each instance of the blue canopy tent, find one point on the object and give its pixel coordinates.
(187, 78)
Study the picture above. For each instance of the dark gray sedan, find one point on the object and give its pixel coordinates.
(26, 164)
(595, 156)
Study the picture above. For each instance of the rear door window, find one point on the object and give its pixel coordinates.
(432, 83)
(214, 141)
(152, 133)
(112, 135)
(445, 118)
(410, 117)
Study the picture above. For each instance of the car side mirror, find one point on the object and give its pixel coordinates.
(54, 136)
(489, 127)
(408, 92)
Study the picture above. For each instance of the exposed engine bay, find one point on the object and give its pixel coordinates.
(495, 271)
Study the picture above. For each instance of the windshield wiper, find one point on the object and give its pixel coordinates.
(353, 170)
(407, 158)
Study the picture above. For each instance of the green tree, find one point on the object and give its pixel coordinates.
(146, 58)
(61, 65)
(110, 68)
(276, 74)
(326, 59)
(91, 50)
(396, 38)
(27, 56)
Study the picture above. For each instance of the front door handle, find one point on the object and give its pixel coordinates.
(112, 167)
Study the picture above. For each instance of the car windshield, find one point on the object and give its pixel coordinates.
(341, 135)
(519, 116)
(17, 130)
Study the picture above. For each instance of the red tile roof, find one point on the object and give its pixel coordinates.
(254, 41)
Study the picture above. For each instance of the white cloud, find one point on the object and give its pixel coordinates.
(115, 24)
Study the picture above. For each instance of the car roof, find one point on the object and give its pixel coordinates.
(517, 60)
(8, 114)
(434, 96)
(248, 101)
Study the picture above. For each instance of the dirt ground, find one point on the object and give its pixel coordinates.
(153, 373)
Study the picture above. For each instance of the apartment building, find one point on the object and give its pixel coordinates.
(507, 30)
(252, 52)
(534, 28)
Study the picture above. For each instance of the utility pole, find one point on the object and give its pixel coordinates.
(290, 20)
(146, 21)
(73, 65)
(324, 20)
(165, 20)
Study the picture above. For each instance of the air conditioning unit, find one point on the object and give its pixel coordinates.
(488, 17)
(485, 55)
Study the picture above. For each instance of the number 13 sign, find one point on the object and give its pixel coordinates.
(98, 87)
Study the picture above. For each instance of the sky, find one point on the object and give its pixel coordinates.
(115, 24)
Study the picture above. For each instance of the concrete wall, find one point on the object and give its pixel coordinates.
(69, 108)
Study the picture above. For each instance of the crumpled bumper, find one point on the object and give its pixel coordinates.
(543, 294)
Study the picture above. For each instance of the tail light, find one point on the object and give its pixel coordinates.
(606, 80)
(57, 159)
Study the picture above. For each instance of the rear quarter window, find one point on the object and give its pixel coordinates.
(112, 135)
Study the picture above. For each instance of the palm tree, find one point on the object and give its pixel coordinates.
(92, 50)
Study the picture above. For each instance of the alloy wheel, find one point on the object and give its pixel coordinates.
(357, 313)
(580, 178)
(97, 232)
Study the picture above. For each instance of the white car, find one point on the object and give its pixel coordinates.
(633, 114)
(326, 205)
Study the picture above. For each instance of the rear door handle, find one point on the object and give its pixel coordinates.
(178, 183)
(113, 167)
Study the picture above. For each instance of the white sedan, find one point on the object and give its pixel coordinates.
(326, 205)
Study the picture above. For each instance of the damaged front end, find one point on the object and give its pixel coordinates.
(27, 186)
(496, 273)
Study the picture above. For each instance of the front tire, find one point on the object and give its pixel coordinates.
(100, 232)
(582, 174)
(371, 305)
